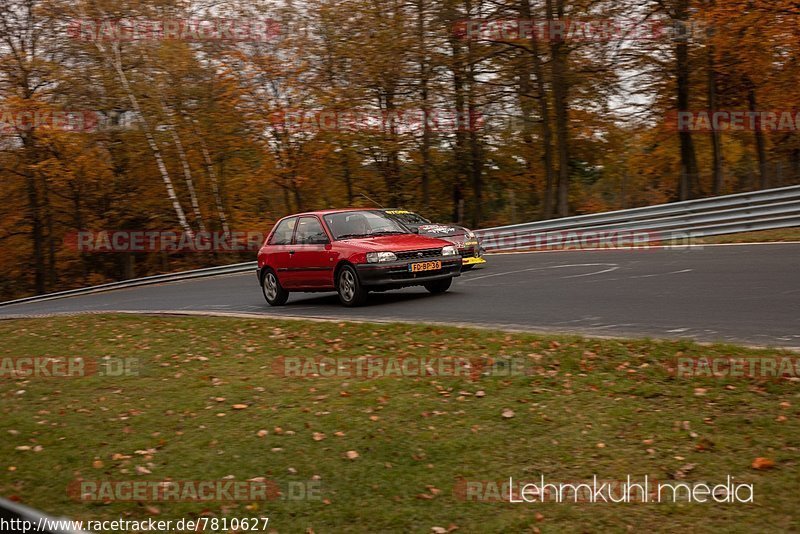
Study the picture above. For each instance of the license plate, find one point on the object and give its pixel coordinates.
(425, 266)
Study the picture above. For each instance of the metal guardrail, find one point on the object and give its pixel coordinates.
(149, 280)
(760, 210)
(743, 212)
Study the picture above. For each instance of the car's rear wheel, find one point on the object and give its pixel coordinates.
(351, 292)
(273, 290)
(439, 286)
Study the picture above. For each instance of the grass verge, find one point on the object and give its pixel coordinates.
(207, 404)
(763, 236)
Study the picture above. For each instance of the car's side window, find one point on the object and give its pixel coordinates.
(283, 232)
(310, 232)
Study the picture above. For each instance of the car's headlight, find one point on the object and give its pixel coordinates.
(381, 257)
(449, 251)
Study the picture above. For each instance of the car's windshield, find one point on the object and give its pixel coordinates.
(355, 224)
(408, 217)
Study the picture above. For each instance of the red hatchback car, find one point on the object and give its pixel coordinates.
(352, 252)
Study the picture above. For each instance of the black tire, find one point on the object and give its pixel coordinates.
(351, 292)
(439, 286)
(273, 291)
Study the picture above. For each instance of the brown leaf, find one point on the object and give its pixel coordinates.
(683, 471)
(318, 436)
(434, 490)
(762, 464)
(351, 455)
(508, 413)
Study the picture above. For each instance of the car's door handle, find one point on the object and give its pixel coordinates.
(291, 252)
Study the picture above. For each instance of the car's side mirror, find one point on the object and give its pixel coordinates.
(415, 230)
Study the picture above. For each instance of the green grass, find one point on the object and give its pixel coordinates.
(763, 236)
(412, 434)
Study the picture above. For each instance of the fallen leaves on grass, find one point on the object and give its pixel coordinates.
(681, 472)
(351, 455)
(704, 444)
(508, 413)
(762, 464)
(318, 436)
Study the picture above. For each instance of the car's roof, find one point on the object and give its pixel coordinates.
(329, 211)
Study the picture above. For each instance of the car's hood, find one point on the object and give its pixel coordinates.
(442, 230)
(396, 243)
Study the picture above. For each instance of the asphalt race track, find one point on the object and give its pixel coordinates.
(743, 294)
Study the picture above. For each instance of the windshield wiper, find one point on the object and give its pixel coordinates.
(351, 236)
(388, 232)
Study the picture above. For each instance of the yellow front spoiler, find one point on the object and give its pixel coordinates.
(473, 261)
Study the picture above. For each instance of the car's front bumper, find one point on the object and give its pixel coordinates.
(397, 274)
(472, 261)
(471, 253)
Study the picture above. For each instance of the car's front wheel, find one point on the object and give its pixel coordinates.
(273, 290)
(351, 292)
(439, 286)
